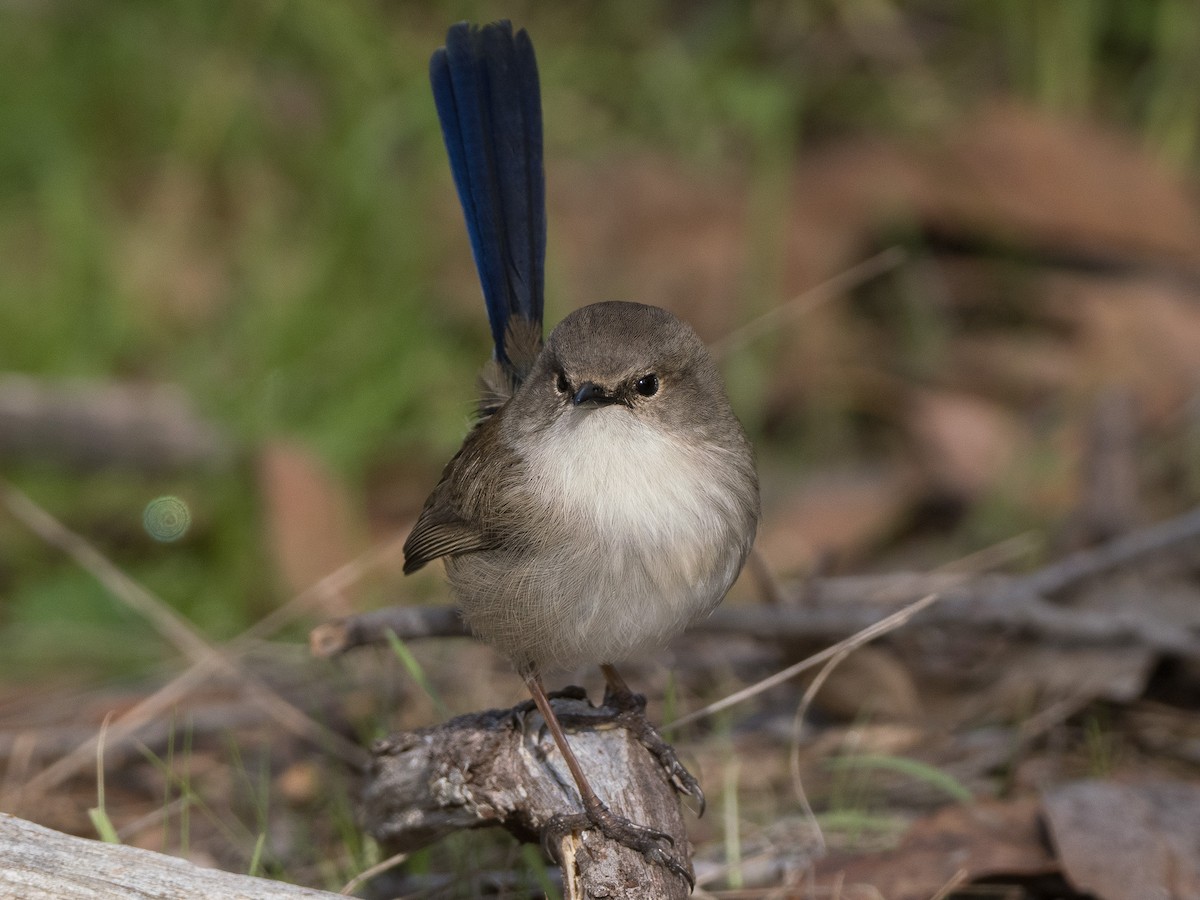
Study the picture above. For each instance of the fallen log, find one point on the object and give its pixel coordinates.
(37, 863)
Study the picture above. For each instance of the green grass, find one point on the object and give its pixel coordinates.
(1101, 743)
(417, 672)
(915, 770)
(98, 814)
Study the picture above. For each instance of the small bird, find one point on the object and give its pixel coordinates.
(607, 496)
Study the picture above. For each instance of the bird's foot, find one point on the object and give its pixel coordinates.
(629, 712)
(647, 841)
(570, 692)
(631, 715)
(624, 700)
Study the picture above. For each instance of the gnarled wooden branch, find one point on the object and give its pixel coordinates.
(501, 768)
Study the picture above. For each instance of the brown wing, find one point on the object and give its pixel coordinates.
(439, 532)
(446, 525)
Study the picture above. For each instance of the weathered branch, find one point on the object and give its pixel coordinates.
(501, 768)
(152, 428)
(406, 622)
(39, 864)
(835, 608)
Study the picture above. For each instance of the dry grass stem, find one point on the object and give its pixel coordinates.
(367, 874)
(206, 658)
(950, 886)
(805, 302)
(880, 628)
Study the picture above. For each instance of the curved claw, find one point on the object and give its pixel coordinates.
(552, 837)
(620, 830)
(671, 864)
(687, 784)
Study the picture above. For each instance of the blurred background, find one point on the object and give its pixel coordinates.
(240, 326)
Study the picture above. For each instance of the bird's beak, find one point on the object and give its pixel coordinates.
(592, 395)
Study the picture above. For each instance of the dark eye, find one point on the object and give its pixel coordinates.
(564, 386)
(647, 385)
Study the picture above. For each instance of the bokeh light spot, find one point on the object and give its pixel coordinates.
(166, 519)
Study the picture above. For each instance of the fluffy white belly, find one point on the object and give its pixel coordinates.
(627, 542)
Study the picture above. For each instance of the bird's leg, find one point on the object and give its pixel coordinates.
(631, 715)
(647, 841)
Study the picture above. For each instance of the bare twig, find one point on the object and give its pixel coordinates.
(1021, 596)
(134, 718)
(121, 730)
(164, 620)
(406, 622)
(1120, 551)
(956, 881)
(331, 585)
(769, 588)
(90, 424)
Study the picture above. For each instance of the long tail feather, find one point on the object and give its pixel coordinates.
(485, 85)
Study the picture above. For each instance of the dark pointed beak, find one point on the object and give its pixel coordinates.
(590, 394)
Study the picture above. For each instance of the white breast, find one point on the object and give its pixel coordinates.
(619, 473)
(654, 537)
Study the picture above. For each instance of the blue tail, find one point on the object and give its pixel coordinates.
(485, 85)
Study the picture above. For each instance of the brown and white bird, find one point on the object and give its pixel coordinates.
(607, 497)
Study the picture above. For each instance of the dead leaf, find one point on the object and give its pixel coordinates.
(1143, 333)
(1128, 842)
(1017, 174)
(300, 782)
(1049, 673)
(311, 523)
(832, 513)
(965, 445)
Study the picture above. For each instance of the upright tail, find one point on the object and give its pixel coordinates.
(485, 85)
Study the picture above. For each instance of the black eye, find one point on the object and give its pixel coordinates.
(564, 386)
(647, 385)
